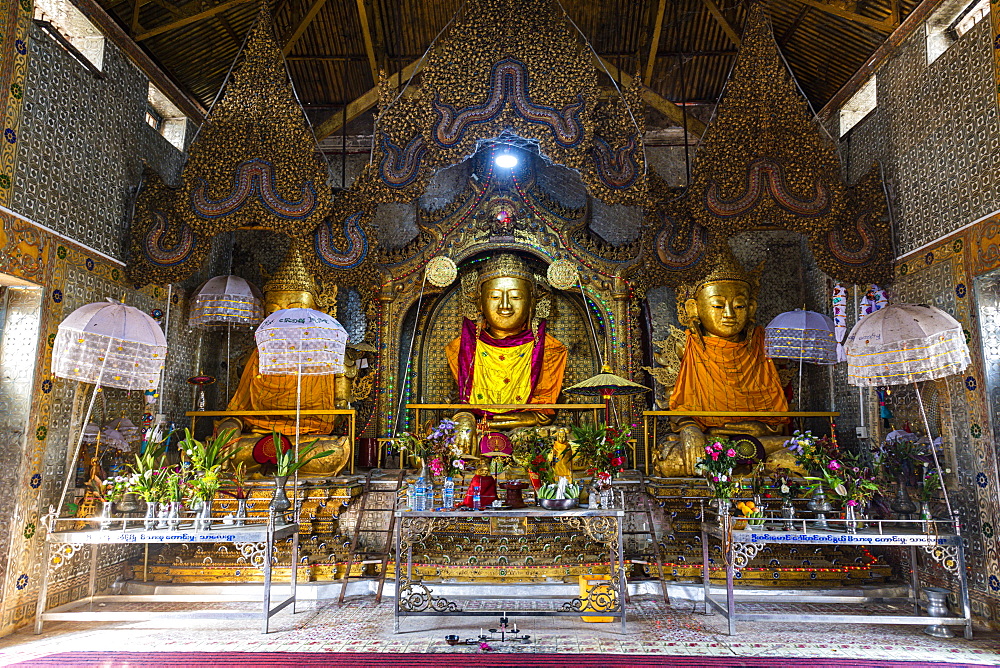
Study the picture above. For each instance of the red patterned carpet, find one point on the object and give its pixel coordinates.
(439, 660)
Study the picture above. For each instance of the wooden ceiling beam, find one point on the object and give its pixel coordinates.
(912, 23)
(302, 26)
(787, 35)
(654, 43)
(366, 34)
(134, 26)
(362, 104)
(723, 22)
(188, 20)
(885, 25)
(661, 104)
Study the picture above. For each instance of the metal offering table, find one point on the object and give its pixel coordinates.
(417, 598)
(254, 541)
(739, 547)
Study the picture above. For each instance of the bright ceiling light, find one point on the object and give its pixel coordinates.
(506, 160)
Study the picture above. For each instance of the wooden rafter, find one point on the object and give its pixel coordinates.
(654, 43)
(134, 25)
(366, 34)
(661, 104)
(188, 20)
(787, 35)
(723, 22)
(302, 25)
(882, 25)
(362, 104)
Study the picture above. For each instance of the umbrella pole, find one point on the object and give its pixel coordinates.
(406, 368)
(229, 359)
(937, 464)
(298, 412)
(71, 471)
(593, 332)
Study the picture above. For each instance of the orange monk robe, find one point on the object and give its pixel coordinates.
(266, 392)
(550, 379)
(728, 376)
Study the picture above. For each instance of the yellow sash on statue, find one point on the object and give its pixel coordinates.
(502, 375)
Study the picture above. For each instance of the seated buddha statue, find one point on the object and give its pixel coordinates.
(723, 367)
(291, 286)
(504, 355)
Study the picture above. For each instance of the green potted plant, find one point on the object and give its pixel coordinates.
(287, 463)
(147, 479)
(207, 459)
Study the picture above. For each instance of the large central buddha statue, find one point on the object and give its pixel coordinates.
(723, 367)
(504, 355)
(291, 286)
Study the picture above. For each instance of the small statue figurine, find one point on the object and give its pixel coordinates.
(562, 455)
(487, 486)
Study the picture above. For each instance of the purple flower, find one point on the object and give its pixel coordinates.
(833, 465)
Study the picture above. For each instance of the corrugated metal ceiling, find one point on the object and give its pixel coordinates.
(330, 67)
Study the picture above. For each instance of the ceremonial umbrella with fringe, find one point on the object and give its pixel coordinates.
(906, 343)
(801, 335)
(108, 344)
(300, 341)
(607, 384)
(225, 301)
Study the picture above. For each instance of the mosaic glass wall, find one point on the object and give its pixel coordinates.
(935, 131)
(81, 145)
(84, 142)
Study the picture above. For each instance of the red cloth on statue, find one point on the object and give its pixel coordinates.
(487, 490)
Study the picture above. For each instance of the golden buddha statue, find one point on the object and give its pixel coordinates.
(722, 367)
(504, 355)
(291, 286)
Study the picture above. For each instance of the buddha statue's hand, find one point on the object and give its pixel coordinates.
(745, 428)
(517, 420)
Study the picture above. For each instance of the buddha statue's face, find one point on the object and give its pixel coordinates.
(505, 303)
(724, 308)
(275, 300)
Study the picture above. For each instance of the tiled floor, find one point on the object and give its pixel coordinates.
(361, 626)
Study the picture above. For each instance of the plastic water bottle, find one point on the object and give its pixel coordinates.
(421, 494)
(448, 494)
(411, 497)
(476, 503)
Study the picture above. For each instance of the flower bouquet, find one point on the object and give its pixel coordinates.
(531, 452)
(717, 465)
(601, 448)
(437, 449)
(147, 477)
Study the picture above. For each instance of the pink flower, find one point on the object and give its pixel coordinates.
(715, 456)
(717, 446)
(852, 502)
(730, 453)
(708, 450)
(833, 465)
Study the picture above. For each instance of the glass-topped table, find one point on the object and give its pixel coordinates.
(938, 538)
(416, 597)
(255, 541)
